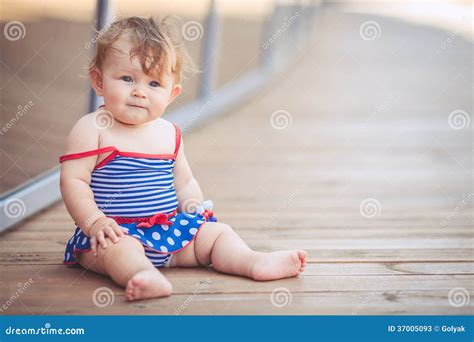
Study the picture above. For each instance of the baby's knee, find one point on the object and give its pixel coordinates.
(125, 243)
(219, 227)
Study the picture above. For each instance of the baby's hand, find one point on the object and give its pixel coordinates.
(102, 228)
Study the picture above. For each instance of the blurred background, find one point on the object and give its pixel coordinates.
(46, 46)
(347, 132)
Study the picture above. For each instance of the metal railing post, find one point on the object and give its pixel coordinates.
(209, 53)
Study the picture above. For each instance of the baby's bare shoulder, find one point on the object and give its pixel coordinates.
(84, 135)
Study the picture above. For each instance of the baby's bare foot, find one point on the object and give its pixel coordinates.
(278, 265)
(147, 284)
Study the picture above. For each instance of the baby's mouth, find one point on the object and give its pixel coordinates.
(136, 106)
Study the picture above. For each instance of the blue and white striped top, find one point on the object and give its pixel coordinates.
(134, 187)
(131, 184)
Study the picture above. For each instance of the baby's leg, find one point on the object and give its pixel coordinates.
(125, 262)
(219, 244)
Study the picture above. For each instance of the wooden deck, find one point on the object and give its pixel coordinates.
(369, 121)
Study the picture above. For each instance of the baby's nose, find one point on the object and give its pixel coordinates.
(138, 93)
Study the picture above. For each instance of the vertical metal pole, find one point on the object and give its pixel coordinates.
(101, 21)
(209, 52)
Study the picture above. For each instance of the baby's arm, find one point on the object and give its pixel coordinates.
(187, 188)
(74, 183)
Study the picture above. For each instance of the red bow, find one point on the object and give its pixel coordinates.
(207, 214)
(158, 218)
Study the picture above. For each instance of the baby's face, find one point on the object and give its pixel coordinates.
(131, 96)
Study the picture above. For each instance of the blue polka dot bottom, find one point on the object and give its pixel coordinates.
(159, 240)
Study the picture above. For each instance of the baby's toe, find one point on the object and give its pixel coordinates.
(302, 255)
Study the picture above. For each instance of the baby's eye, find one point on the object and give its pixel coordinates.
(126, 78)
(154, 84)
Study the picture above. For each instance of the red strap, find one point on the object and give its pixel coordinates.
(178, 140)
(87, 153)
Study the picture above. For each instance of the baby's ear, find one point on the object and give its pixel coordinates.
(96, 81)
(174, 92)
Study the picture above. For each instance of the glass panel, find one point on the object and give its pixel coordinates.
(44, 88)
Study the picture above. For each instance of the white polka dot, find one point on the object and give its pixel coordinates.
(184, 222)
(189, 215)
(156, 236)
(137, 236)
(164, 249)
(184, 243)
(165, 227)
(200, 221)
(67, 255)
(84, 240)
(193, 231)
(177, 232)
(140, 231)
(126, 229)
(172, 219)
(170, 241)
(149, 243)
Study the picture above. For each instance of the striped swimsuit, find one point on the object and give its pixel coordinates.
(137, 191)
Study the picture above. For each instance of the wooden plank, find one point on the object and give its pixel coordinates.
(350, 269)
(53, 278)
(199, 291)
(54, 255)
(319, 303)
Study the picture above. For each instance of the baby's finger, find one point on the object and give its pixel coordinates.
(93, 245)
(111, 234)
(101, 239)
(118, 229)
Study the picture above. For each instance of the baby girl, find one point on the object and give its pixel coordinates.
(127, 183)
